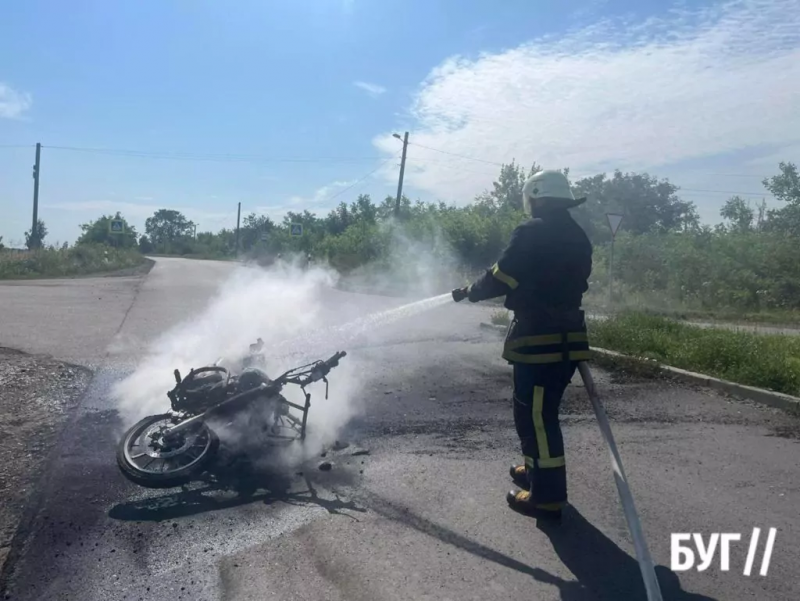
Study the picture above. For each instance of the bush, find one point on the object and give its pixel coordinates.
(57, 262)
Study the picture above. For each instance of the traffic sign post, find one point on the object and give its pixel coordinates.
(116, 226)
(297, 229)
(614, 222)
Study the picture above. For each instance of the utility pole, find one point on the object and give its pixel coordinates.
(402, 171)
(614, 221)
(238, 218)
(34, 228)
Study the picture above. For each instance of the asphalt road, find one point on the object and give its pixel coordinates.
(422, 516)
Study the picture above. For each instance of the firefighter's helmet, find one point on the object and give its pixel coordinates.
(552, 186)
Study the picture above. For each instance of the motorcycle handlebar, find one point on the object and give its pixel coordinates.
(320, 370)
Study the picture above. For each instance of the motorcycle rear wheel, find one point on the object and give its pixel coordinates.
(146, 465)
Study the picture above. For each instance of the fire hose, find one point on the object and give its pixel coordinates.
(625, 496)
(643, 557)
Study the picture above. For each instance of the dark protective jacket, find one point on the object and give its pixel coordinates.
(543, 274)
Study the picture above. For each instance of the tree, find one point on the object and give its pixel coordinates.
(739, 213)
(145, 246)
(507, 188)
(36, 241)
(253, 228)
(2, 246)
(648, 205)
(167, 226)
(786, 188)
(99, 232)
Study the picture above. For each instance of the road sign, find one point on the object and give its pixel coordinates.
(613, 223)
(116, 226)
(297, 229)
(264, 237)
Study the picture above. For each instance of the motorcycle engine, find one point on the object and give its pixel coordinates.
(200, 393)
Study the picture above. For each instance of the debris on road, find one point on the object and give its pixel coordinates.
(325, 466)
(359, 451)
(37, 394)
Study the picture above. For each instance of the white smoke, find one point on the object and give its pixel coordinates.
(277, 305)
(291, 309)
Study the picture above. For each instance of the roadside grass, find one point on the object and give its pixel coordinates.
(770, 361)
(630, 300)
(65, 262)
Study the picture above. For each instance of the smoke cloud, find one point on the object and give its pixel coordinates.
(301, 317)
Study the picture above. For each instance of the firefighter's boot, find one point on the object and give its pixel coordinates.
(519, 474)
(521, 501)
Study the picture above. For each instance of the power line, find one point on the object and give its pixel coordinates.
(461, 156)
(350, 187)
(184, 156)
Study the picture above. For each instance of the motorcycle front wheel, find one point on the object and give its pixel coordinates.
(145, 460)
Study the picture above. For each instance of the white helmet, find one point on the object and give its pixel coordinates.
(551, 185)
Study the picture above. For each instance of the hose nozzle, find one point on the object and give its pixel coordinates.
(459, 294)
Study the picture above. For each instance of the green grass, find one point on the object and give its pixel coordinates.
(57, 262)
(769, 361)
(628, 299)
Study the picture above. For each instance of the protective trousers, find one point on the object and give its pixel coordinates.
(538, 390)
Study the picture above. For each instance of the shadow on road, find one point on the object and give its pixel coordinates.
(602, 570)
(225, 488)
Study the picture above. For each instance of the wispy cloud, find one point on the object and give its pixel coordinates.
(320, 195)
(372, 89)
(616, 94)
(12, 102)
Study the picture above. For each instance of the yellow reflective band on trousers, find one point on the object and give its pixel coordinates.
(550, 350)
(545, 340)
(545, 460)
(538, 423)
(503, 277)
(546, 357)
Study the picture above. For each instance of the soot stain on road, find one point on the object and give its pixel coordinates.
(37, 396)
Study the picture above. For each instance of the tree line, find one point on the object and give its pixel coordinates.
(663, 254)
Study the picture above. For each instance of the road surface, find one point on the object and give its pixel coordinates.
(422, 516)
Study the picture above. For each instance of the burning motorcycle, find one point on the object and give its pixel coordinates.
(170, 449)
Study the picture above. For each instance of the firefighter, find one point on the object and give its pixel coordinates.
(543, 274)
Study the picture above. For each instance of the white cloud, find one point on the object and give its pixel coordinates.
(372, 89)
(615, 94)
(319, 199)
(12, 102)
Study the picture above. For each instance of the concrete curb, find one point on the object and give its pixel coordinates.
(770, 398)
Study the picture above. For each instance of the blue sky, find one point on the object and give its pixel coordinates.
(289, 104)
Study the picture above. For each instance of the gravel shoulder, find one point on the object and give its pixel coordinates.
(37, 394)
